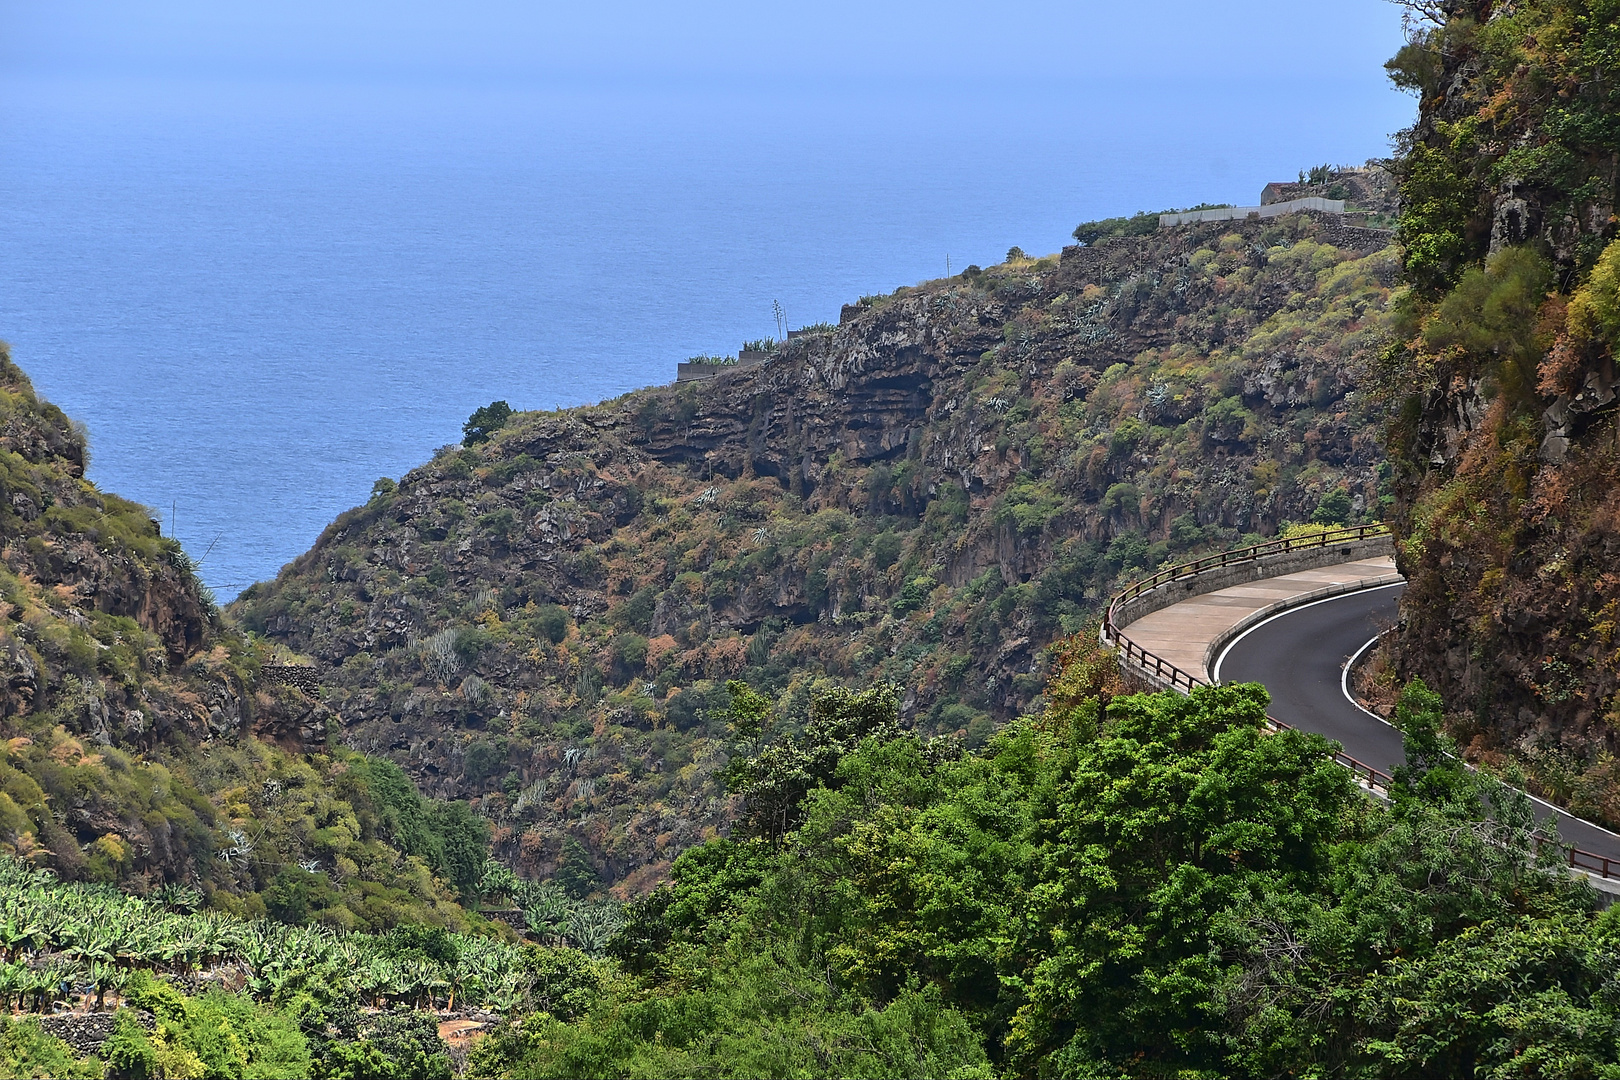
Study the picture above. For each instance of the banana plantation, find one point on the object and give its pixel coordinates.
(80, 945)
(550, 914)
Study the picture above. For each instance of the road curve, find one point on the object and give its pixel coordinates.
(1299, 655)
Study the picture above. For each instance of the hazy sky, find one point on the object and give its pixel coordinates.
(830, 45)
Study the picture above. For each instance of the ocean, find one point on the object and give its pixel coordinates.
(262, 297)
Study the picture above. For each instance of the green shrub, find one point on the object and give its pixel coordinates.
(1491, 314)
(1228, 421)
(497, 523)
(636, 612)
(1128, 551)
(129, 1053)
(949, 507)
(1185, 531)
(1030, 505)
(26, 1051)
(914, 594)
(286, 899)
(1333, 508)
(484, 759)
(484, 422)
(1122, 499)
(1594, 309)
(552, 621)
(629, 653)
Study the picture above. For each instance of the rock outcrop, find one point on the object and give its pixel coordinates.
(145, 742)
(1504, 446)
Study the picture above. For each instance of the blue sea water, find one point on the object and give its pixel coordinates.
(262, 297)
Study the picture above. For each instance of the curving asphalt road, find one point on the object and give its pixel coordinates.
(1299, 655)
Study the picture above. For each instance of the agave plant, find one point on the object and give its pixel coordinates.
(591, 928)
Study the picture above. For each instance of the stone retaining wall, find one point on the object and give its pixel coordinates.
(294, 675)
(87, 1032)
(688, 372)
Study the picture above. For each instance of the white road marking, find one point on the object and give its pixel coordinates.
(1215, 675)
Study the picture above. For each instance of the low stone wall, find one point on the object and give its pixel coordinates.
(1342, 234)
(86, 1032)
(1238, 213)
(294, 675)
(1265, 566)
(687, 372)
(512, 917)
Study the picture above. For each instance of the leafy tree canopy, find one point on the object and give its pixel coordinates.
(484, 422)
(1143, 885)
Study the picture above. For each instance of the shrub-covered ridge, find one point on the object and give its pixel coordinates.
(138, 742)
(928, 493)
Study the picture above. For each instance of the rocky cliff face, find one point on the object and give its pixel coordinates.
(96, 598)
(139, 742)
(108, 645)
(929, 493)
(1504, 440)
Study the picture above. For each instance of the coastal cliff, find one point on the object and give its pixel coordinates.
(1502, 390)
(148, 744)
(929, 493)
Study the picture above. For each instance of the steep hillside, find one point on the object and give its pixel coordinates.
(142, 745)
(1508, 464)
(928, 493)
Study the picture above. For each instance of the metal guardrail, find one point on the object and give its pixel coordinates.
(1374, 779)
(1164, 669)
(1245, 554)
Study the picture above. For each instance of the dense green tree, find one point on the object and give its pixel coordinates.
(286, 898)
(576, 875)
(774, 781)
(463, 839)
(485, 421)
(1333, 509)
(346, 1045)
(1140, 885)
(754, 1012)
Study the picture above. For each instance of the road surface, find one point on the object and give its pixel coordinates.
(1299, 655)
